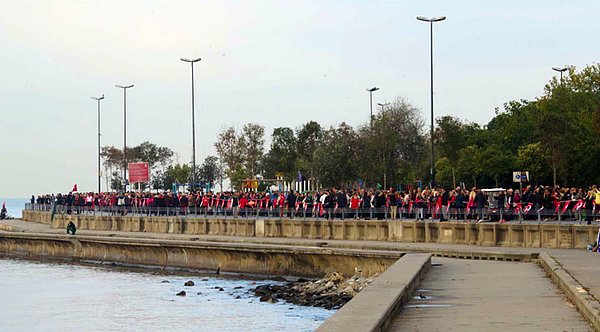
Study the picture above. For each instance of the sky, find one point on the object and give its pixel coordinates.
(277, 63)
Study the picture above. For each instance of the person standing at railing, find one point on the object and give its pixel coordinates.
(445, 203)
(480, 200)
(393, 201)
(342, 203)
(588, 206)
(290, 204)
(365, 204)
(355, 204)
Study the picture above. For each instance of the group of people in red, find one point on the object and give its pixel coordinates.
(535, 202)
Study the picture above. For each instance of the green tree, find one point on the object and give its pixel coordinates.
(309, 138)
(334, 158)
(210, 171)
(252, 142)
(230, 152)
(283, 155)
(534, 159)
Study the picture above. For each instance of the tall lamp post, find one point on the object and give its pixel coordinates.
(124, 87)
(431, 21)
(191, 62)
(383, 106)
(561, 71)
(371, 90)
(98, 99)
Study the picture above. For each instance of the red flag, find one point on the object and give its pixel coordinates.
(556, 206)
(74, 187)
(579, 205)
(527, 208)
(565, 207)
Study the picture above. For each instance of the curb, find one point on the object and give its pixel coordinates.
(585, 302)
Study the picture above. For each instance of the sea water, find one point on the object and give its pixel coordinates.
(38, 296)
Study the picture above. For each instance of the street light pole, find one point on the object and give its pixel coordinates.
(382, 106)
(561, 71)
(98, 99)
(124, 87)
(431, 21)
(193, 125)
(371, 90)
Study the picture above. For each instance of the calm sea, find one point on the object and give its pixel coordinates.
(62, 297)
(14, 206)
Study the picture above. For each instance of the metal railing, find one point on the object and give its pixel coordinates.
(522, 213)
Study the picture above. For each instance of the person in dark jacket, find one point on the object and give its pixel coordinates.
(460, 204)
(291, 204)
(342, 202)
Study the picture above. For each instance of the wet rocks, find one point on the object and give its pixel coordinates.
(189, 283)
(268, 299)
(330, 292)
(182, 293)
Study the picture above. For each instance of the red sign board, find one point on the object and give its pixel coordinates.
(139, 172)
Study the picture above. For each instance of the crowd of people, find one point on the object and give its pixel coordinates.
(535, 202)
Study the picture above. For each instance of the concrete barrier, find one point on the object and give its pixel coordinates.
(483, 234)
(375, 306)
(198, 255)
(587, 304)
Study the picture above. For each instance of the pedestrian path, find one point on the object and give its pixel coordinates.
(468, 295)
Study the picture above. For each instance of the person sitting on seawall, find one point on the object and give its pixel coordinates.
(71, 229)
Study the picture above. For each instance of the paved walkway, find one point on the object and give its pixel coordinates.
(468, 295)
(580, 264)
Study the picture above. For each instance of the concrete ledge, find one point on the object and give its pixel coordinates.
(198, 255)
(587, 304)
(375, 306)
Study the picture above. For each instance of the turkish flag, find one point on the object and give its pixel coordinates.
(74, 188)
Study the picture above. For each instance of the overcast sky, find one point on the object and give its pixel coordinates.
(277, 63)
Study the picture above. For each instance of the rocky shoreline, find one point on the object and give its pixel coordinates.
(330, 292)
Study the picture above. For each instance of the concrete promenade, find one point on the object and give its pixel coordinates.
(465, 295)
(523, 284)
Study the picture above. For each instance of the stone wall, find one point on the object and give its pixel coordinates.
(484, 234)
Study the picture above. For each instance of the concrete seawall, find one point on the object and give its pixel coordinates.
(188, 255)
(374, 308)
(566, 236)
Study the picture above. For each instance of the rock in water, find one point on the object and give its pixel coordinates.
(182, 293)
(189, 283)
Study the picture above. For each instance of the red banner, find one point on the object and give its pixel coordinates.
(139, 172)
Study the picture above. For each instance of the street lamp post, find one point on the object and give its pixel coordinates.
(561, 71)
(98, 99)
(193, 124)
(124, 87)
(371, 90)
(431, 21)
(383, 106)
